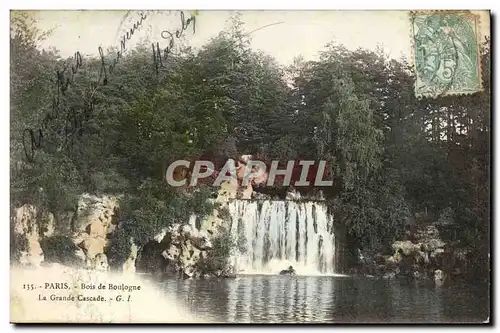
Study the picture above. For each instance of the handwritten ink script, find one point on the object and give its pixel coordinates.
(158, 58)
(75, 117)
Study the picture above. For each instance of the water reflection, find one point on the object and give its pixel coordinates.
(299, 299)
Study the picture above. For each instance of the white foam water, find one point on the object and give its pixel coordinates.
(272, 235)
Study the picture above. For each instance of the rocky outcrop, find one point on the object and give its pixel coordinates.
(182, 247)
(98, 262)
(423, 255)
(92, 223)
(187, 246)
(176, 251)
(215, 223)
(288, 271)
(179, 248)
(439, 277)
(419, 257)
(26, 228)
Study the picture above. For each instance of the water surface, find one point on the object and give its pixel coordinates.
(328, 299)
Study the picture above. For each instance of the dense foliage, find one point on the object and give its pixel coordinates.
(394, 157)
(59, 249)
(217, 259)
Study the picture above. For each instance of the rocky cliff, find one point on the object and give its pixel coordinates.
(83, 241)
(184, 249)
(421, 255)
(80, 238)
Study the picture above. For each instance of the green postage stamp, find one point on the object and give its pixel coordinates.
(446, 50)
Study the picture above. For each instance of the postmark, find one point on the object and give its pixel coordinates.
(446, 53)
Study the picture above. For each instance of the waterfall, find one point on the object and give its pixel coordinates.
(272, 235)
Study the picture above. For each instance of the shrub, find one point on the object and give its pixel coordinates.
(60, 249)
(18, 244)
(218, 257)
(118, 248)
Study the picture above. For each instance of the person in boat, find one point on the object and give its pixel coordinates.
(289, 271)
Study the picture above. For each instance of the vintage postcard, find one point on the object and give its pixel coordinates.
(196, 166)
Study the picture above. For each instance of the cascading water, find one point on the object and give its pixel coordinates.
(272, 235)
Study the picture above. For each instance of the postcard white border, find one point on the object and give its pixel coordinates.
(193, 4)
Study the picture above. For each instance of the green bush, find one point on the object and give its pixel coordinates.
(18, 244)
(118, 248)
(60, 249)
(218, 257)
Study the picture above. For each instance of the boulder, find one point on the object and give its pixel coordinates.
(172, 253)
(430, 245)
(189, 255)
(407, 247)
(187, 230)
(288, 271)
(439, 277)
(99, 262)
(202, 242)
(189, 272)
(88, 227)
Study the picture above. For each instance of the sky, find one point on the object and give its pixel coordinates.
(289, 33)
(292, 32)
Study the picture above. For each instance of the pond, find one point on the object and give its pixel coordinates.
(328, 299)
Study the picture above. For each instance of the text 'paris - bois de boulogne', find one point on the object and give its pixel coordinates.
(75, 118)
